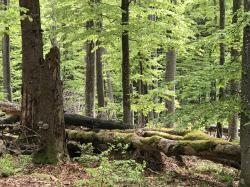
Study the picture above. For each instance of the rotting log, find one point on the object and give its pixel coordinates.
(10, 108)
(10, 120)
(93, 123)
(206, 147)
(70, 119)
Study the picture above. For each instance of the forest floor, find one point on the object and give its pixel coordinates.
(194, 172)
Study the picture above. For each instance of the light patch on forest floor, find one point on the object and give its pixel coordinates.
(194, 172)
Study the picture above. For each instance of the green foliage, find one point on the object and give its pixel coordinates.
(190, 27)
(110, 172)
(223, 174)
(10, 165)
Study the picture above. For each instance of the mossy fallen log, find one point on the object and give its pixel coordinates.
(193, 144)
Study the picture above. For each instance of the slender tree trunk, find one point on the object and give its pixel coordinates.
(110, 94)
(126, 64)
(170, 77)
(6, 62)
(234, 87)
(141, 87)
(245, 95)
(222, 59)
(99, 81)
(99, 70)
(32, 56)
(90, 75)
(110, 88)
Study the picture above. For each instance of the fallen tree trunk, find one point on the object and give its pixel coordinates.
(93, 123)
(70, 119)
(10, 108)
(206, 147)
(10, 120)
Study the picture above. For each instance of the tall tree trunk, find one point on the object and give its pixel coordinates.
(99, 81)
(234, 87)
(99, 70)
(126, 64)
(51, 114)
(42, 108)
(170, 77)
(141, 89)
(170, 73)
(222, 59)
(245, 95)
(32, 56)
(6, 61)
(110, 94)
(90, 75)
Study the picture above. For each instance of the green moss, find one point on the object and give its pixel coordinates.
(151, 140)
(123, 137)
(80, 135)
(199, 135)
(163, 135)
(203, 145)
(199, 145)
(47, 155)
(171, 131)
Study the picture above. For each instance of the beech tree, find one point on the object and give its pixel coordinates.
(6, 60)
(90, 59)
(127, 117)
(99, 69)
(170, 78)
(245, 95)
(42, 104)
(234, 85)
(90, 75)
(222, 59)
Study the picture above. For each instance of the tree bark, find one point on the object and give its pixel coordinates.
(51, 115)
(170, 78)
(234, 87)
(126, 64)
(93, 123)
(245, 95)
(32, 56)
(6, 61)
(141, 90)
(222, 59)
(42, 103)
(90, 75)
(99, 81)
(110, 94)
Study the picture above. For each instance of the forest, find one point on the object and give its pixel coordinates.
(115, 93)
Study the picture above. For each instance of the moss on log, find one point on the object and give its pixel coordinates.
(203, 146)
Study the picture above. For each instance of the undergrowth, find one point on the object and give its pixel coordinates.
(110, 172)
(10, 165)
(222, 174)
